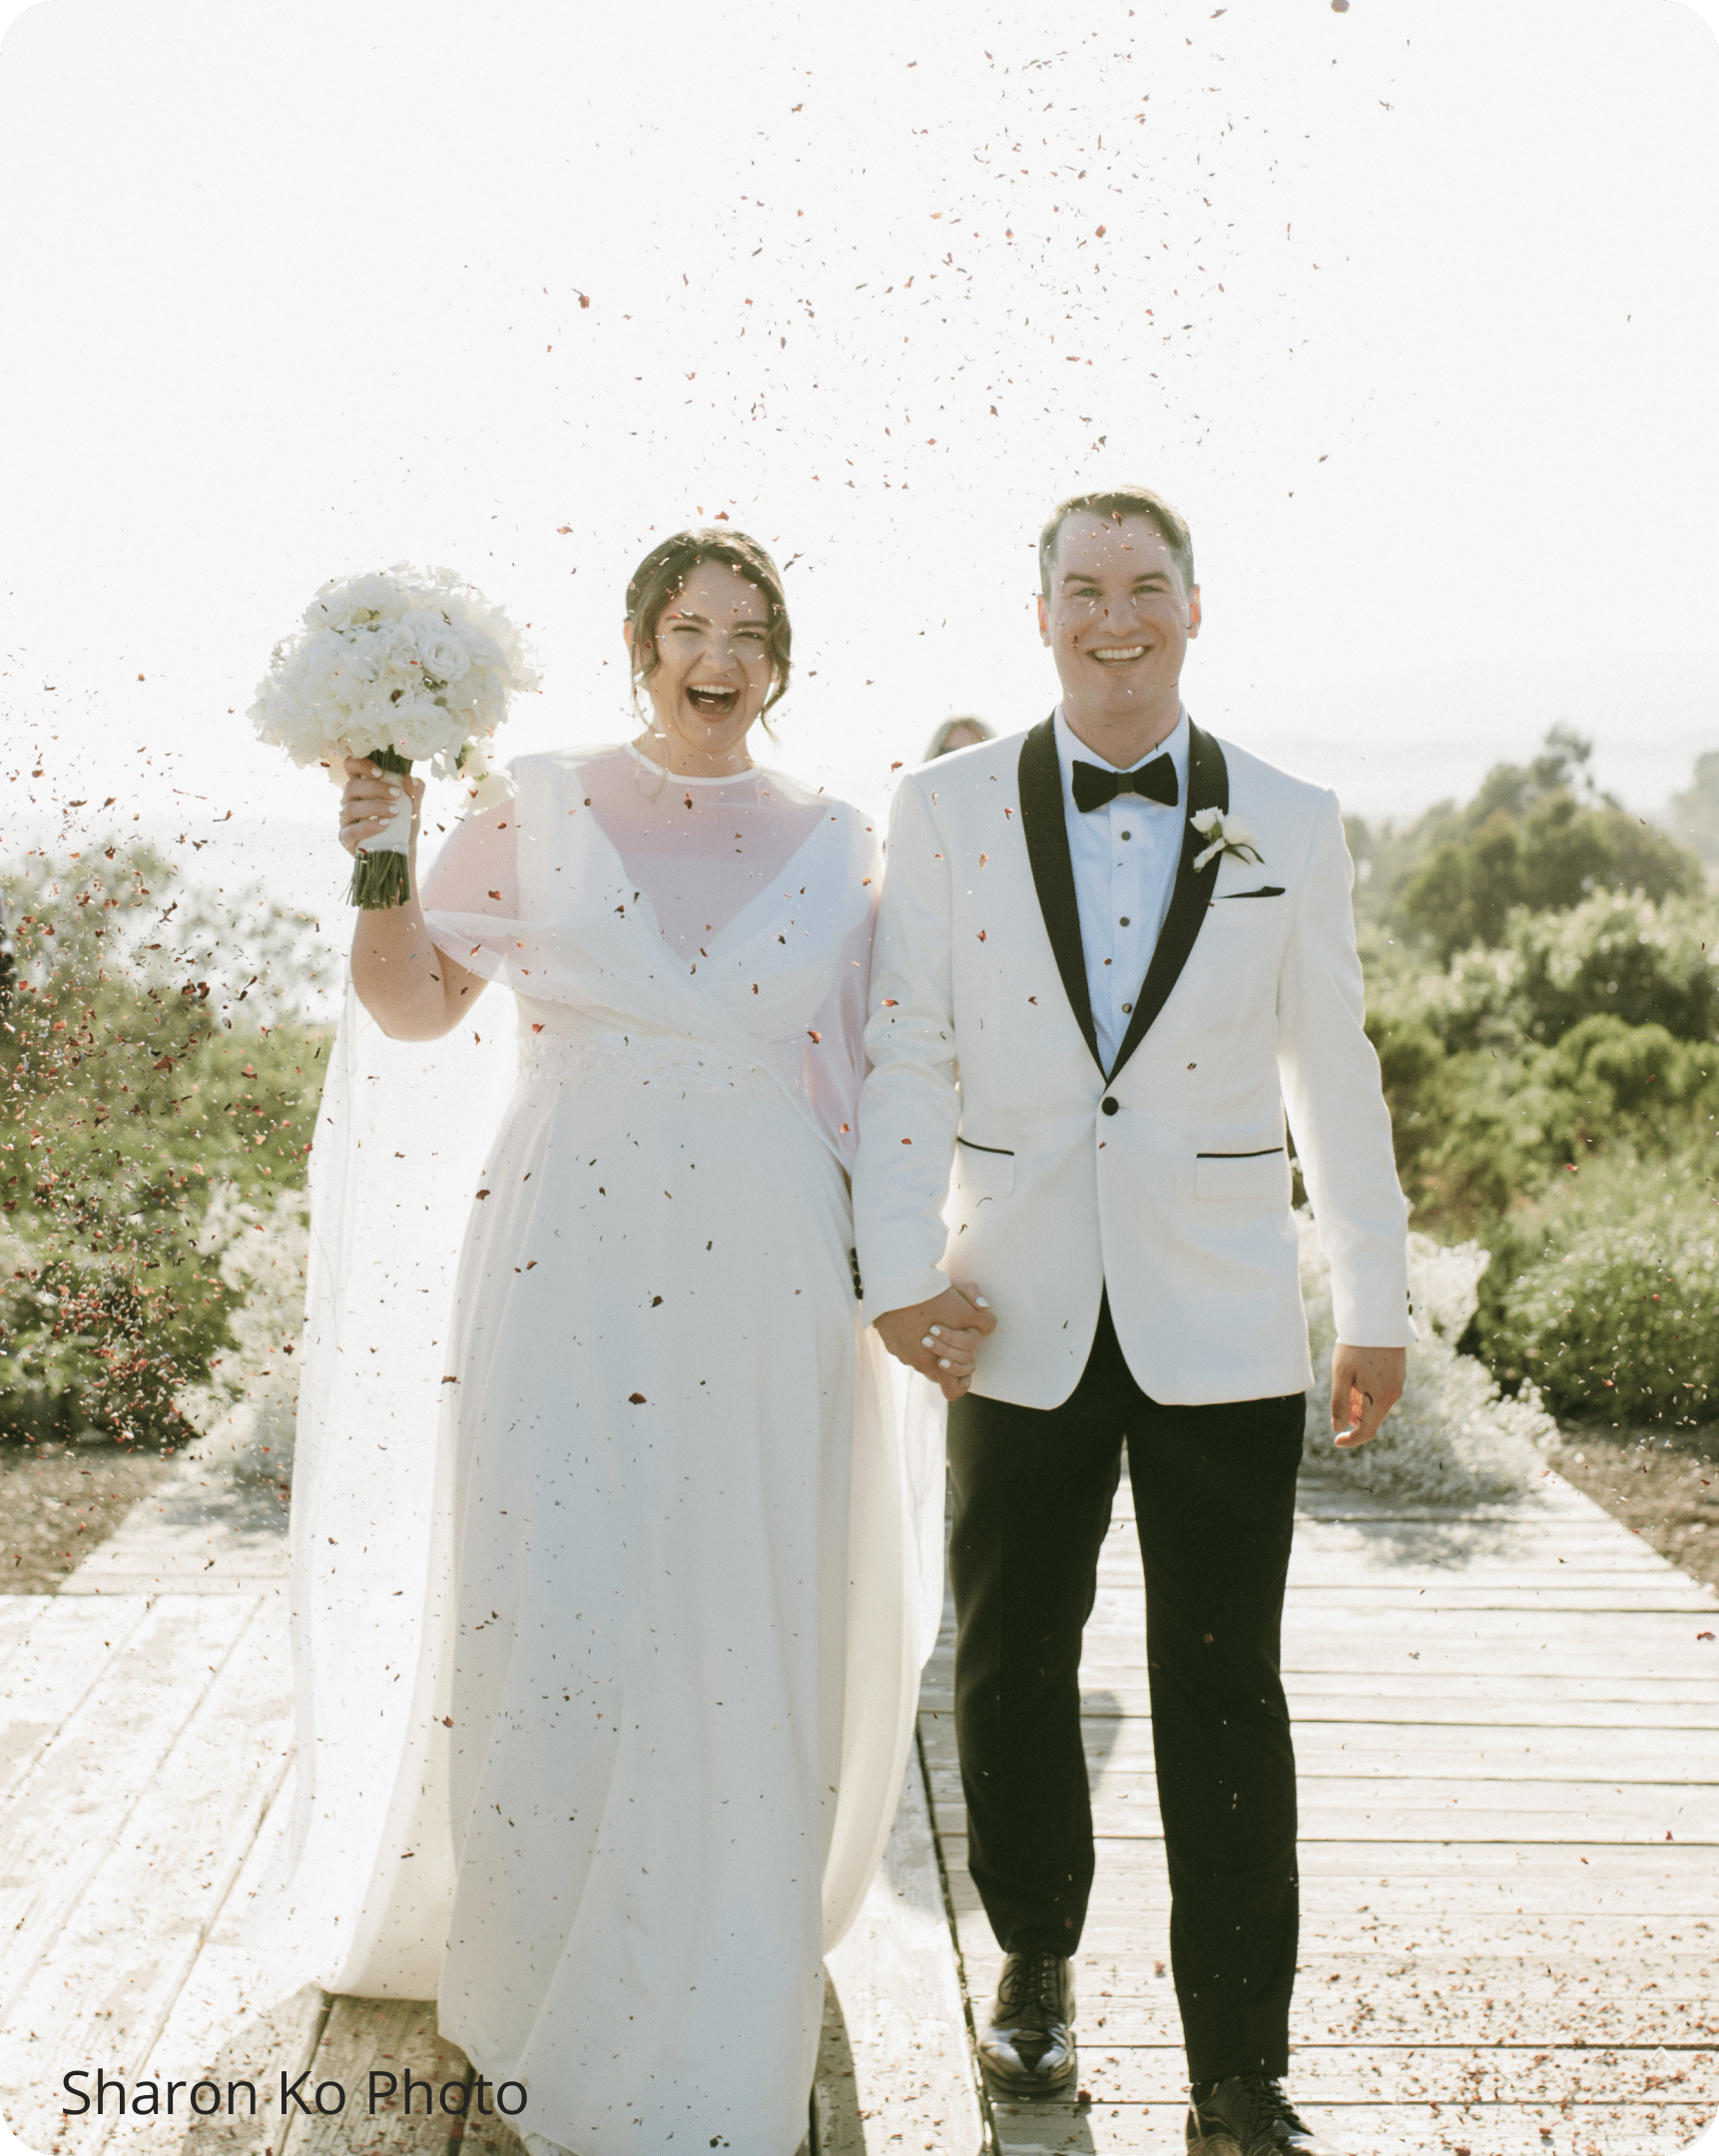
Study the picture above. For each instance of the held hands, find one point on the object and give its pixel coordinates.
(370, 799)
(1366, 1384)
(939, 1338)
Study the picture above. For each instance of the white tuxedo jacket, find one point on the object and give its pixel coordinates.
(1165, 1179)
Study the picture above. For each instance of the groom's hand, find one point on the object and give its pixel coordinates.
(1366, 1384)
(939, 1338)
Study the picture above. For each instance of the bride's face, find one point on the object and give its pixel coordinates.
(713, 670)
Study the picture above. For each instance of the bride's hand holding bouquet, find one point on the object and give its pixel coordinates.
(374, 804)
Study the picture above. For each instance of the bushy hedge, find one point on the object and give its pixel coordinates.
(1591, 1028)
(1606, 1293)
(133, 1079)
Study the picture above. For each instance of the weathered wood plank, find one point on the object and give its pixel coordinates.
(1626, 1950)
(1420, 2073)
(1507, 2129)
(1405, 1599)
(1112, 1664)
(486, 2136)
(1357, 2000)
(230, 2014)
(1438, 1752)
(1565, 1818)
(895, 2070)
(62, 1817)
(230, 2026)
(368, 2049)
(106, 1982)
(1512, 1705)
(51, 1669)
(1415, 1881)
(1597, 1632)
(17, 1614)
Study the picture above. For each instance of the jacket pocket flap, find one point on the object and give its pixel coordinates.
(1260, 1178)
(986, 1171)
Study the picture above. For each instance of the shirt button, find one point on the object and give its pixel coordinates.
(1127, 834)
(1126, 1008)
(1124, 921)
(1109, 1105)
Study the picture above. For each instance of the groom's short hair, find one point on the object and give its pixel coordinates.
(1120, 502)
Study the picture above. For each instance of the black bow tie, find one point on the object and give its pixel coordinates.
(1093, 787)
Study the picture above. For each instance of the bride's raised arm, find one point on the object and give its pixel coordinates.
(412, 990)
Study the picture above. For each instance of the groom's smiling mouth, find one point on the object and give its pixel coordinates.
(1116, 655)
(712, 703)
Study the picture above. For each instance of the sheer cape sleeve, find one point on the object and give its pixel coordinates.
(360, 1884)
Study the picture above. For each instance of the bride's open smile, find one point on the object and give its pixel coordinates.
(709, 674)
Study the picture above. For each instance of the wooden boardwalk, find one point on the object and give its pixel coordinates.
(145, 1729)
(1508, 1731)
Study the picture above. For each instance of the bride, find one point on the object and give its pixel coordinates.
(602, 1715)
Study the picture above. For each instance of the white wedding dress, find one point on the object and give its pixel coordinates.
(604, 1697)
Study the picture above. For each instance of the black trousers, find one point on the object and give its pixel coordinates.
(1214, 1495)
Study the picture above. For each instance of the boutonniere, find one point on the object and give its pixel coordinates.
(1228, 835)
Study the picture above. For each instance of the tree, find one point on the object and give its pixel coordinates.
(1539, 836)
(1695, 813)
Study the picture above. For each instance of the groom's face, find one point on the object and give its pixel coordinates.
(1118, 616)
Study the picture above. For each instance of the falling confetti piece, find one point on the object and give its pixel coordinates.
(636, 1399)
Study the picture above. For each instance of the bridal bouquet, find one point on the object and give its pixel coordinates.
(399, 667)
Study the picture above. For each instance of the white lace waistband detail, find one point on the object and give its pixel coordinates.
(644, 1058)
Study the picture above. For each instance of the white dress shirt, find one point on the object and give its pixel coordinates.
(1125, 858)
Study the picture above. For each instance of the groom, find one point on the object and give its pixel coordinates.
(1113, 954)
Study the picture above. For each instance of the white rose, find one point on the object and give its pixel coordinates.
(417, 726)
(352, 600)
(440, 649)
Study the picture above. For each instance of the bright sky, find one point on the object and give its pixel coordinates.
(1409, 307)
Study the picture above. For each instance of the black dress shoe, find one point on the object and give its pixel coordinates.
(1251, 2116)
(1027, 2045)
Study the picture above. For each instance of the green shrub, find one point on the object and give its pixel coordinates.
(134, 1078)
(1621, 955)
(1606, 1293)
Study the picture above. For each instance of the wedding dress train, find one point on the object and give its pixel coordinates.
(605, 1698)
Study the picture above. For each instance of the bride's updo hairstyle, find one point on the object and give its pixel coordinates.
(665, 570)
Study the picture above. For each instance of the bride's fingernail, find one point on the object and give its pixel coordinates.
(944, 1363)
(937, 1332)
(927, 1342)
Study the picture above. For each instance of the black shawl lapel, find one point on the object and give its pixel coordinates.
(1208, 787)
(1045, 824)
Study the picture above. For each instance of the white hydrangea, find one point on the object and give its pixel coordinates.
(1452, 1437)
(413, 659)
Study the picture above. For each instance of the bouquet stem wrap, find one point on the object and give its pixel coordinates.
(381, 870)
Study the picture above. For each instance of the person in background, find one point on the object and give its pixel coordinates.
(962, 733)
